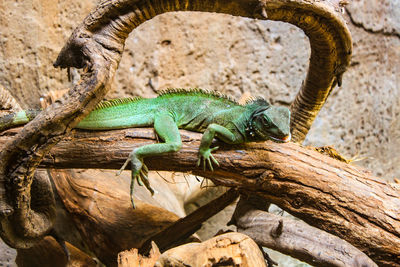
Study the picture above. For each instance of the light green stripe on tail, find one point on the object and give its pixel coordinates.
(19, 118)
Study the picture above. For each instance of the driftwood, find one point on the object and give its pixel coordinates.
(329, 194)
(230, 249)
(132, 257)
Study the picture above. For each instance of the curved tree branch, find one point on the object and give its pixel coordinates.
(43, 202)
(97, 46)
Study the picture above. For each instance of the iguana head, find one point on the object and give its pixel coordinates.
(271, 123)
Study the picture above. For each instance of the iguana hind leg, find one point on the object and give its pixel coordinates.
(167, 130)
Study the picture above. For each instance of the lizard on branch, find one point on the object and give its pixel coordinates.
(208, 112)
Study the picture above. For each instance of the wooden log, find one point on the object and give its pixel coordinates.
(339, 198)
(132, 257)
(231, 249)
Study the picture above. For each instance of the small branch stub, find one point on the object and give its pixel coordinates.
(277, 231)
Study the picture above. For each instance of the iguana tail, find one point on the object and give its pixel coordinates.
(16, 119)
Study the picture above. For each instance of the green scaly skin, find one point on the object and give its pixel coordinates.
(214, 115)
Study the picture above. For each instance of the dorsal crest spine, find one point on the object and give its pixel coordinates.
(257, 100)
(196, 91)
(116, 102)
(179, 91)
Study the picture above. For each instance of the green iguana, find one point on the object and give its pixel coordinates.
(210, 113)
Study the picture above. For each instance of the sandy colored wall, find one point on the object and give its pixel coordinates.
(231, 55)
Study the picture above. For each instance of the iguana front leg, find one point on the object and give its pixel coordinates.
(222, 133)
(167, 130)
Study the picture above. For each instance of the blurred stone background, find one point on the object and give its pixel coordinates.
(229, 54)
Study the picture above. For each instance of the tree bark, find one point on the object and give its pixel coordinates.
(339, 198)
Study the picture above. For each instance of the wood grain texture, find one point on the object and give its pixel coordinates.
(131, 257)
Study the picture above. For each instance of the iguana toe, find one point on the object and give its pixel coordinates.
(124, 165)
(207, 159)
(139, 172)
(131, 196)
(145, 180)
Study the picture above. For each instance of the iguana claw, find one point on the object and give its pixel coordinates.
(139, 173)
(207, 158)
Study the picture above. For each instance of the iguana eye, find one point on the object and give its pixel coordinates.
(266, 121)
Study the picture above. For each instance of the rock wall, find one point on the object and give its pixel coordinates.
(232, 55)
